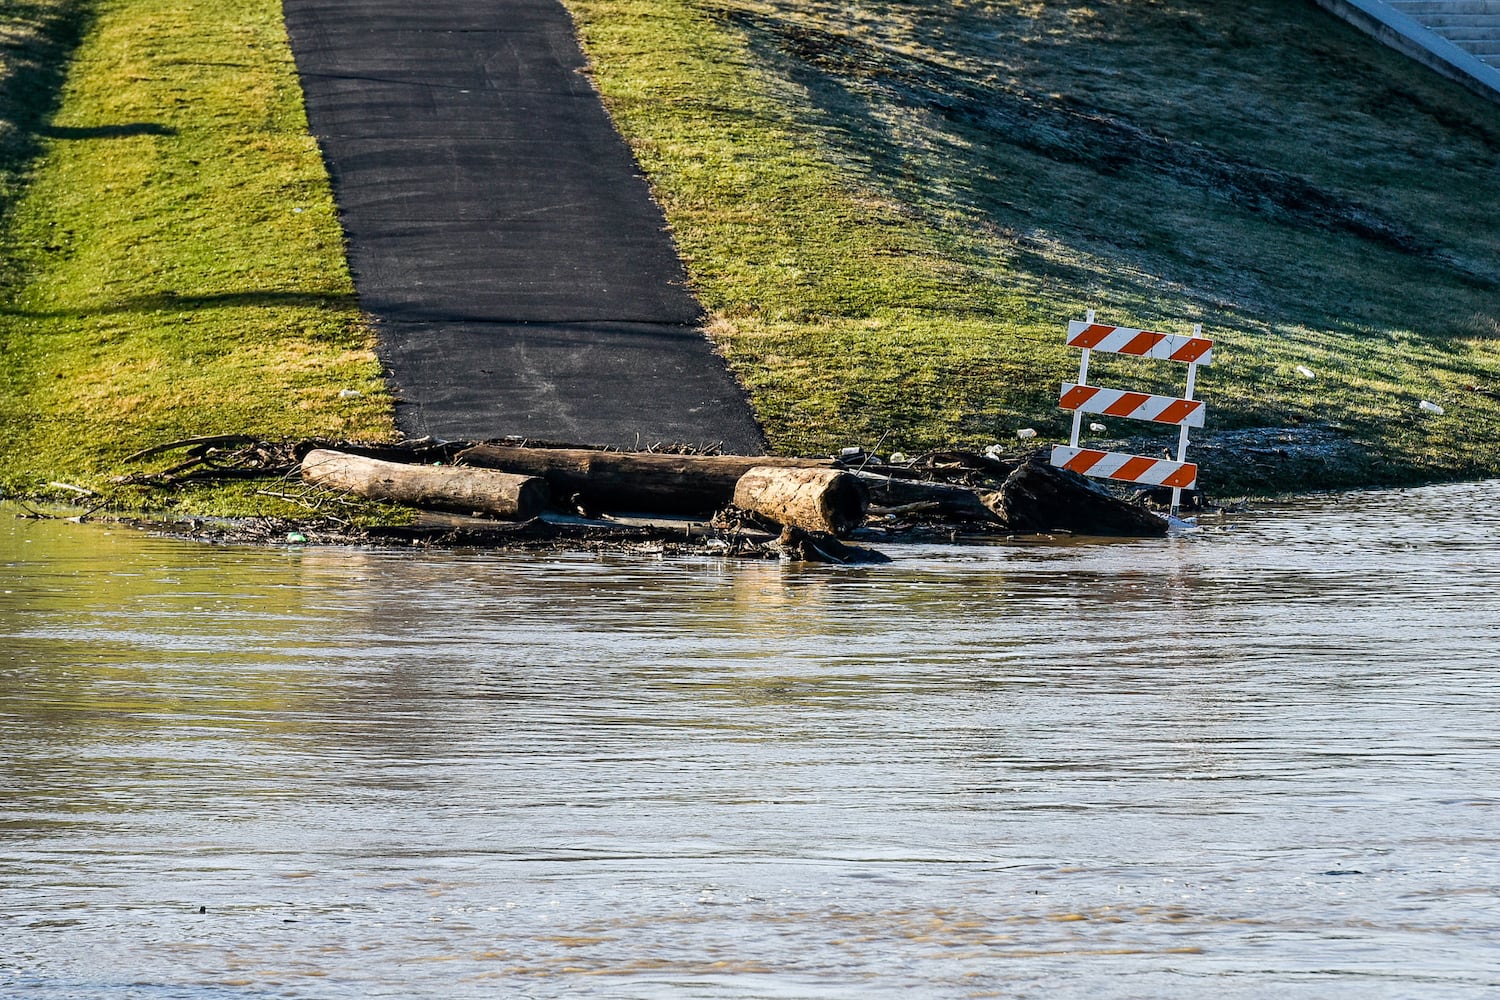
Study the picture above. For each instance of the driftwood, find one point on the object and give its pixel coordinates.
(813, 546)
(938, 498)
(1038, 497)
(810, 494)
(824, 500)
(192, 442)
(443, 487)
(632, 481)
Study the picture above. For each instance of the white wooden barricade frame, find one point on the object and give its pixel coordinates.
(1184, 411)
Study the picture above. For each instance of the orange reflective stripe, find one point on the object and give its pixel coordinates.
(1127, 404)
(1177, 412)
(1142, 342)
(1084, 460)
(1183, 478)
(1077, 396)
(1134, 468)
(1192, 350)
(1091, 335)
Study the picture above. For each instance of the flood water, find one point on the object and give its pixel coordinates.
(1259, 761)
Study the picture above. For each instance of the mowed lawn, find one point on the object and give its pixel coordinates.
(174, 265)
(890, 210)
(893, 209)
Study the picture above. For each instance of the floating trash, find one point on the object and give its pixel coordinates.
(296, 538)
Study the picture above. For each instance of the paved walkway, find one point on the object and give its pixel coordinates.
(519, 270)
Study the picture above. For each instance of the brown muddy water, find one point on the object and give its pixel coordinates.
(1259, 761)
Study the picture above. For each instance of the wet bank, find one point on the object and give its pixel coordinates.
(681, 500)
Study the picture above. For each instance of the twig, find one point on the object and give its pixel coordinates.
(873, 452)
(167, 474)
(90, 512)
(920, 507)
(291, 499)
(73, 489)
(34, 515)
(187, 442)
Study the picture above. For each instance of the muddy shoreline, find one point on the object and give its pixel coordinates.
(1256, 463)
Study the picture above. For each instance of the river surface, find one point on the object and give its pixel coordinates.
(1261, 760)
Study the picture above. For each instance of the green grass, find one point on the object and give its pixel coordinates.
(36, 38)
(176, 267)
(889, 209)
(892, 209)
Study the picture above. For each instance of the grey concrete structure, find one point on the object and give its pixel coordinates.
(520, 273)
(1458, 38)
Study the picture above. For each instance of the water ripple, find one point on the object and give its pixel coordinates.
(1252, 760)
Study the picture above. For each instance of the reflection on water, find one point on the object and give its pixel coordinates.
(1254, 761)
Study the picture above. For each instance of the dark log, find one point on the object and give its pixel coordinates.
(464, 529)
(825, 500)
(633, 481)
(939, 498)
(442, 487)
(814, 546)
(1039, 497)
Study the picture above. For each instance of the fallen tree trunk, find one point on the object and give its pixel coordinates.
(633, 481)
(824, 500)
(1038, 497)
(951, 501)
(442, 487)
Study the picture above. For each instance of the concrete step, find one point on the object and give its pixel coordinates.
(1462, 23)
(1459, 39)
(1483, 46)
(1466, 36)
(1472, 25)
(1422, 8)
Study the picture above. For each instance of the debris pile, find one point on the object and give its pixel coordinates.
(515, 494)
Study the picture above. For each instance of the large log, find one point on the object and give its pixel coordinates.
(1038, 497)
(633, 481)
(441, 487)
(940, 498)
(825, 500)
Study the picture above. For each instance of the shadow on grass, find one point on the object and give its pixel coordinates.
(38, 44)
(106, 131)
(171, 302)
(35, 49)
(1013, 125)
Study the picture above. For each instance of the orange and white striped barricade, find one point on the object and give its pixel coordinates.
(1135, 405)
(1140, 343)
(1128, 468)
(1183, 411)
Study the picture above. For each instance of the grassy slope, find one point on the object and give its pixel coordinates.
(177, 268)
(893, 208)
(890, 208)
(36, 37)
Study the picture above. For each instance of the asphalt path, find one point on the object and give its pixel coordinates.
(521, 276)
